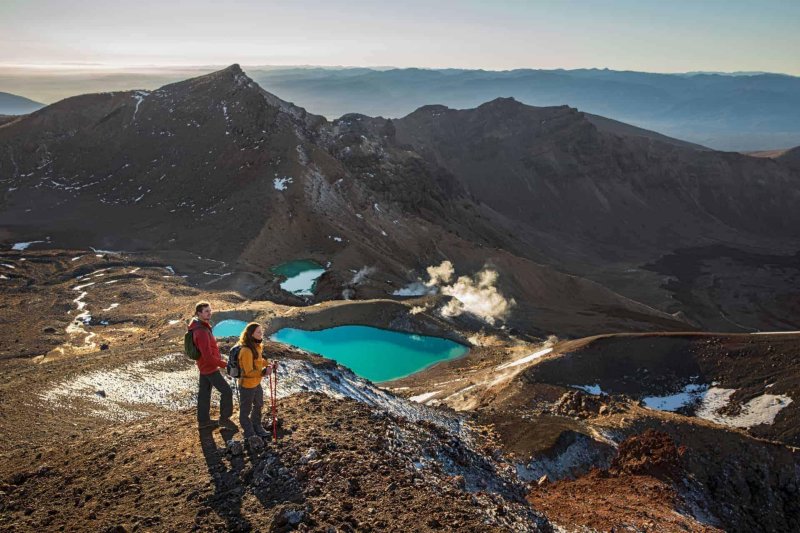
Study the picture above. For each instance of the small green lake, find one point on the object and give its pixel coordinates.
(301, 276)
(373, 353)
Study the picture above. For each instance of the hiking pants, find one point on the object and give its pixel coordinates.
(251, 402)
(216, 380)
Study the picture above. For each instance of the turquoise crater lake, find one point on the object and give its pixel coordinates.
(373, 353)
(229, 328)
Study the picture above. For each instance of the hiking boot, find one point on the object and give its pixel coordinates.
(208, 424)
(261, 432)
(227, 423)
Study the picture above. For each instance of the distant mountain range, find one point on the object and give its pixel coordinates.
(11, 104)
(739, 111)
(725, 112)
(592, 225)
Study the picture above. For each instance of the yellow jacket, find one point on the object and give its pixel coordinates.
(251, 369)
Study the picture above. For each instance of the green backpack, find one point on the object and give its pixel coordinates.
(189, 347)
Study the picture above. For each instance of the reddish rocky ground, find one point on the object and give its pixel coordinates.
(338, 466)
(635, 494)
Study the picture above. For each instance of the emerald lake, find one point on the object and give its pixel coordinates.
(373, 353)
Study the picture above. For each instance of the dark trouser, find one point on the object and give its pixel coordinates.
(250, 403)
(215, 380)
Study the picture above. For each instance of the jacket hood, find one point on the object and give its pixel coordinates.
(196, 323)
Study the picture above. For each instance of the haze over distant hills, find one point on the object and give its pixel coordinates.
(724, 112)
(11, 104)
(737, 111)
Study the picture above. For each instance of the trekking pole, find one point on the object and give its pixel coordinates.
(273, 396)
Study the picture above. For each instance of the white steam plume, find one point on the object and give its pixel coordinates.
(476, 295)
(440, 274)
(361, 275)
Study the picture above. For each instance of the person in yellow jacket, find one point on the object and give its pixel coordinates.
(253, 367)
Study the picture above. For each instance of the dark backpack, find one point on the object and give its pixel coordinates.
(233, 368)
(189, 347)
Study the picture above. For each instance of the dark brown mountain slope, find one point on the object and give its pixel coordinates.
(554, 169)
(218, 167)
(608, 203)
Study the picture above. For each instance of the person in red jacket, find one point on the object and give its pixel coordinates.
(209, 364)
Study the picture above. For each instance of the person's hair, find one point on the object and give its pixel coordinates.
(246, 338)
(200, 305)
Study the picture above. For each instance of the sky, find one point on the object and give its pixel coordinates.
(644, 35)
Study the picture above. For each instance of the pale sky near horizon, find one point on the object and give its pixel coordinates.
(644, 35)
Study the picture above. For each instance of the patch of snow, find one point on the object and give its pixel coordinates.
(710, 400)
(76, 258)
(79, 300)
(139, 96)
(759, 410)
(420, 398)
(110, 307)
(281, 184)
(103, 251)
(12, 267)
(527, 359)
(591, 389)
(173, 322)
(23, 245)
(672, 402)
(213, 274)
(170, 269)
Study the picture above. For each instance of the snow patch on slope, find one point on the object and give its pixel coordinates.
(710, 401)
(19, 246)
(281, 184)
(170, 382)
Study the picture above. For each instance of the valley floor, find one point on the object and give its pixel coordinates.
(98, 419)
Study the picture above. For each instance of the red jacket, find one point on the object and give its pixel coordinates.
(210, 360)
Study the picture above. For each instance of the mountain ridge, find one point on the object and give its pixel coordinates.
(395, 194)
